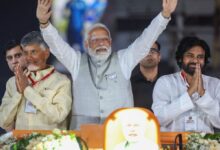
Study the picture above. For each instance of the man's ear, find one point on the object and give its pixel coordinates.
(159, 57)
(47, 53)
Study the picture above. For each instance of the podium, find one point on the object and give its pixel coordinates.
(93, 135)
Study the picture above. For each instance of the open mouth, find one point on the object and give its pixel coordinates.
(192, 66)
(101, 50)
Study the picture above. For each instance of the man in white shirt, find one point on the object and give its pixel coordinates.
(188, 100)
(101, 77)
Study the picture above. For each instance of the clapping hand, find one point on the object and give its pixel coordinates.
(196, 84)
(21, 79)
(200, 89)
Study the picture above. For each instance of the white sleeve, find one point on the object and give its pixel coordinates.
(68, 56)
(131, 56)
(163, 107)
(210, 105)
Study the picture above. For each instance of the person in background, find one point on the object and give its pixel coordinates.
(145, 75)
(14, 55)
(38, 98)
(101, 77)
(188, 100)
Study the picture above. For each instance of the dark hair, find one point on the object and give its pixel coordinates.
(9, 45)
(158, 45)
(189, 42)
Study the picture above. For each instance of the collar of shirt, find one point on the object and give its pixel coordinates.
(40, 75)
(183, 77)
(138, 76)
(195, 95)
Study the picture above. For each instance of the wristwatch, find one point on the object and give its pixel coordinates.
(195, 96)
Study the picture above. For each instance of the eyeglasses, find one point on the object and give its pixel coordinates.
(95, 40)
(154, 51)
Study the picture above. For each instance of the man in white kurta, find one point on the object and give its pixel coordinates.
(101, 78)
(188, 100)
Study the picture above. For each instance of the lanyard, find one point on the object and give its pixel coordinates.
(33, 82)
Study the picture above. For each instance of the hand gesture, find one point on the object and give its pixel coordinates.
(201, 89)
(168, 7)
(43, 10)
(21, 79)
(193, 85)
(196, 84)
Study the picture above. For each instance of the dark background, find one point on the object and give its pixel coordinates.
(17, 17)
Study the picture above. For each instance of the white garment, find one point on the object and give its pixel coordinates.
(172, 104)
(128, 57)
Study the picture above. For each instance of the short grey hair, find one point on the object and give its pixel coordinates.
(96, 26)
(34, 37)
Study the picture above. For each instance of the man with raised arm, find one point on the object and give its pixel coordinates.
(101, 77)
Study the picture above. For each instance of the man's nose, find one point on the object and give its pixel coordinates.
(14, 60)
(101, 42)
(195, 60)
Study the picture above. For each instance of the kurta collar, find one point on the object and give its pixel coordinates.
(38, 75)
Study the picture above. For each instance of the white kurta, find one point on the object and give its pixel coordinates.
(173, 105)
(97, 106)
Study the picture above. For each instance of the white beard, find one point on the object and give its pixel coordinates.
(101, 55)
(32, 67)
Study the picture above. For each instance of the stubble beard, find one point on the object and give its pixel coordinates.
(148, 63)
(191, 70)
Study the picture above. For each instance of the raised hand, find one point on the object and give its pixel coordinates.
(43, 11)
(21, 79)
(168, 7)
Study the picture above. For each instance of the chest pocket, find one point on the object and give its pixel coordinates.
(48, 93)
